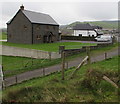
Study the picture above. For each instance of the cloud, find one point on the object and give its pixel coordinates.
(64, 12)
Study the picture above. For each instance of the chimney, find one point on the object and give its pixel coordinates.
(22, 7)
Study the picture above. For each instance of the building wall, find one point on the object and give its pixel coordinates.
(40, 30)
(85, 32)
(20, 30)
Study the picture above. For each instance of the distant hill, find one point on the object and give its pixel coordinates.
(104, 24)
(3, 30)
(65, 29)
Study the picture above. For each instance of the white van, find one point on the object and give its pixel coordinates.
(104, 38)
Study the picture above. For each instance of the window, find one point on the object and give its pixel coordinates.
(38, 27)
(54, 27)
(54, 37)
(38, 37)
(92, 35)
(80, 34)
(25, 27)
(98, 36)
(9, 35)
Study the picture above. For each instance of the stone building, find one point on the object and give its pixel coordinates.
(30, 27)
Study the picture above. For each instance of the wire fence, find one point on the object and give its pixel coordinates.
(78, 46)
(23, 64)
(32, 63)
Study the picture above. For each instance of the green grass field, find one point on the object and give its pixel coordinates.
(51, 47)
(16, 65)
(3, 36)
(86, 86)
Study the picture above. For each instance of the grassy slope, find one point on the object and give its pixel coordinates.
(82, 88)
(52, 47)
(104, 24)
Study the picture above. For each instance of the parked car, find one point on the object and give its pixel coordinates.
(104, 38)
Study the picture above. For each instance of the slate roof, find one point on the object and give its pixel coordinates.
(83, 27)
(39, 18)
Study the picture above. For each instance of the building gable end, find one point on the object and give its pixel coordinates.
(9, 22)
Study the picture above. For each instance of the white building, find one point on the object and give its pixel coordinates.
(85, 30)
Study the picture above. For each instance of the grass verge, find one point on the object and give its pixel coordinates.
(86, 86)
(51, 47)
(15, 65)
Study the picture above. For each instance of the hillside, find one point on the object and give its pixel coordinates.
(104, 24)
(86, 86)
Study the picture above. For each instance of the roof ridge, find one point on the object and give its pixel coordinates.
(83, 26)
(37, 17)
(35, 12)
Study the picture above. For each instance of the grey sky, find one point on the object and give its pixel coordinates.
(64, 12)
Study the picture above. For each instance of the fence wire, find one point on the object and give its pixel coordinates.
(29, 63)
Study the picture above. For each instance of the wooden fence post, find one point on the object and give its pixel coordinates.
(49, 55)
(63, 64)
(3, 84)
(2, 77)
(88, 54)
(43, 71)
(61, 49)
(79, 66)
(67, 65)
(105, 55)
(110, 81)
